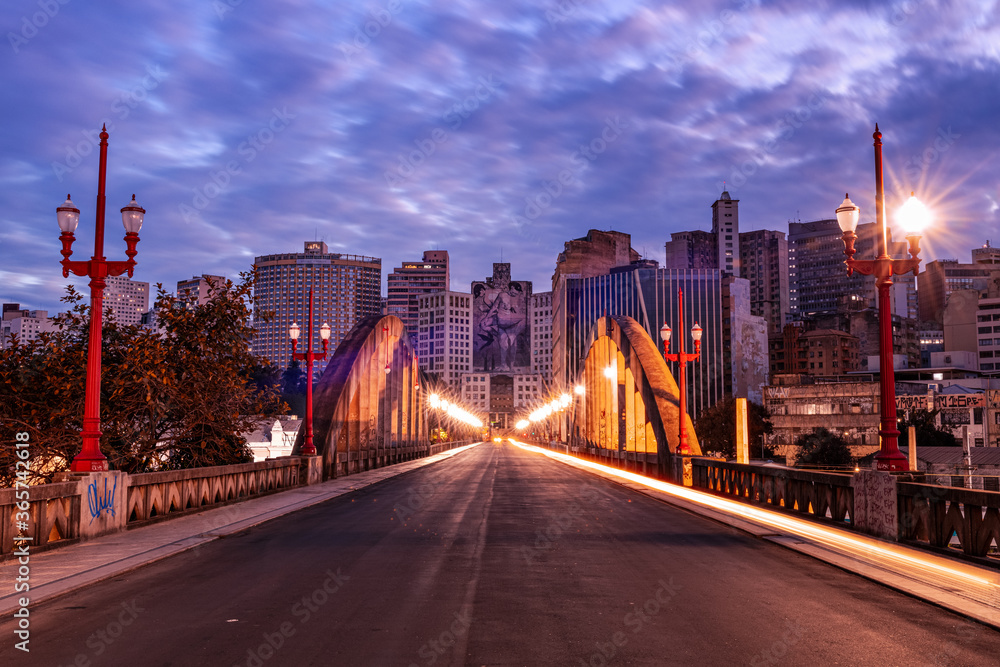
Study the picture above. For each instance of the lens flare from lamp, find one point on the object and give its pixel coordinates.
(913, 216)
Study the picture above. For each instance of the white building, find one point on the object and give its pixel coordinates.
(273, 439)
(444, 336)
(541, 335)
(24, 325)
(127, 299)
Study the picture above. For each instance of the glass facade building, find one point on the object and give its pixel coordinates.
(649, 296)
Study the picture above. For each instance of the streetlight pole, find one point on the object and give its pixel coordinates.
(913, 215)
(682, 359)
(308, 448)
(98, 268)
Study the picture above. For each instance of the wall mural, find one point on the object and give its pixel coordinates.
(501, 331)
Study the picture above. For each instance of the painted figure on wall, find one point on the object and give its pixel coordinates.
(501, 335)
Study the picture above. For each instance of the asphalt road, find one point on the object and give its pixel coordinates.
(494, 557)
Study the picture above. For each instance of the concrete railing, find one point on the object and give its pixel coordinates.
(950, 518)
(86, 506)
(81, 506)
(820, 495)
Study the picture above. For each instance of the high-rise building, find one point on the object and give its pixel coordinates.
(199, 290)
(817, 277)
(692, 250)
(444, 337)
(411, 280)
(942, 277)
(649, 296)
(346, 290)
(726, 227)
(541, 335)
(127, 299)
(717, 249)
(764, 262)
(592, 255)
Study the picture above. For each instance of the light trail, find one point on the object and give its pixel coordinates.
(857, 546)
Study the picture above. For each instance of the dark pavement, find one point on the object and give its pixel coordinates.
(494, 557)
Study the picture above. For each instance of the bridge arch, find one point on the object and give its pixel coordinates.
(368, 404)
(629, 403)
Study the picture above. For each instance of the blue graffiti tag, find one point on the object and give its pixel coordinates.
(101, 501)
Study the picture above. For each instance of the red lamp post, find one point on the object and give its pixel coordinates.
(308, 448)
(97, 268)
(913, 217)
(682, 359)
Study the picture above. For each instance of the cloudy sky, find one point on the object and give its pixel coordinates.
(390, 127)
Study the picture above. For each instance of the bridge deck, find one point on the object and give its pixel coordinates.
(497, 556)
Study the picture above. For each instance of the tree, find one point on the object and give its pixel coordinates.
(293, 388)
(178, 397)
(823, 447)
(927, 432)
(716, 427)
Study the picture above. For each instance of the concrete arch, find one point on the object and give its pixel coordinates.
(628, 415)
(364, 416)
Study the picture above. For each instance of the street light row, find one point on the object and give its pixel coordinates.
(913, 216)
(454, 411)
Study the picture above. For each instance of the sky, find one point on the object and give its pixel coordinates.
(494, 130)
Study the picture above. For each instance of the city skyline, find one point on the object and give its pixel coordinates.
(390, 128)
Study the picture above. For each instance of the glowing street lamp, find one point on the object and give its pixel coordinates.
(913, 216)
(682, 359)
(97, 268)
(308, 448)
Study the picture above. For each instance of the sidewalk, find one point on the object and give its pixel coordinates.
(959, 586)
(66, 569)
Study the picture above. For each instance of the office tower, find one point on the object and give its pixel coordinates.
(692, 250)
(411, 280)
(346, 290)
(127, 299)
(764, 262)
(726, 227)
(199, 290)
(592, 255)
(541, 335)
(444, 338)
(817, 277)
